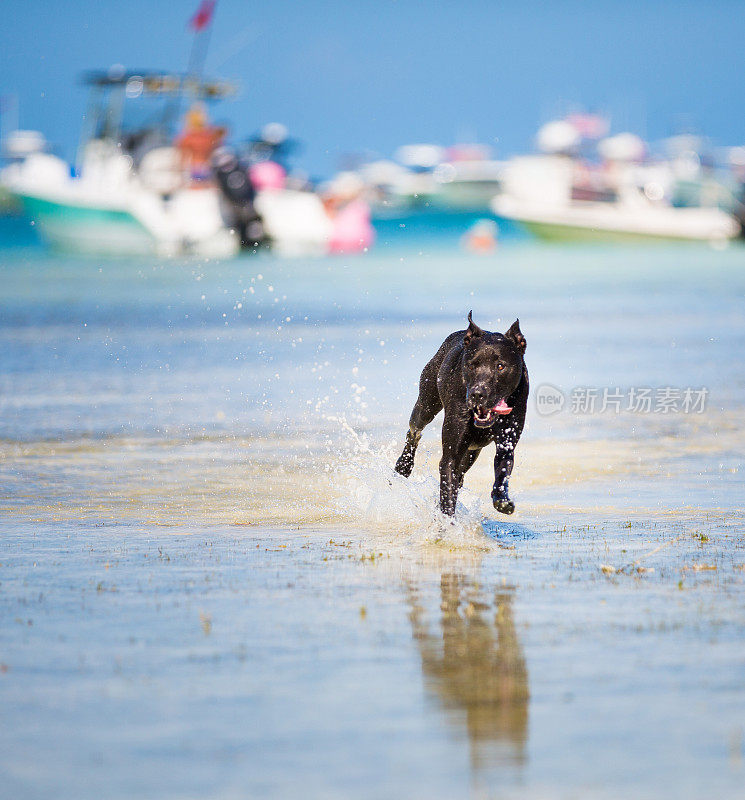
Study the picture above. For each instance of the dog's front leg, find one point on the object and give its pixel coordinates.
(454, 449)
(426, 408)
(503, 462)
(405, 463)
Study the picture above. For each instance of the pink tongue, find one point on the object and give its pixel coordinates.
(501, 407)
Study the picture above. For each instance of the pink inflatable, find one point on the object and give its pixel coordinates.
(352, 231)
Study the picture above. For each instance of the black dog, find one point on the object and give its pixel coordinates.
(481, 381)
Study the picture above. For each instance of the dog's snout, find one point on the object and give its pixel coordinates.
(477, 396)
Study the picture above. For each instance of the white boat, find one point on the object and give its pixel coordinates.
(557, 197)
(111, 210)
(467, 184)
(626, 220)
(130, 196)
(462, 178)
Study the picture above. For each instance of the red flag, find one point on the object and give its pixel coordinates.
(203, 17)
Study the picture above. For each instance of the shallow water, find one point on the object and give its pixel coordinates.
(213, 584)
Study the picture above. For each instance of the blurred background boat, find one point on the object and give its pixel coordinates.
(585, 187)
(139, 188)
(428, 177)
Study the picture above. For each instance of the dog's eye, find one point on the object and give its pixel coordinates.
(500, 367)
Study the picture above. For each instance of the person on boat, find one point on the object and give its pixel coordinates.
(196, 144)
(238, 194)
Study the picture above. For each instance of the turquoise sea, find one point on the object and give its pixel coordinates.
(213, 585)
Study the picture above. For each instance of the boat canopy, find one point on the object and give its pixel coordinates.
(158, 83)
(139, 109)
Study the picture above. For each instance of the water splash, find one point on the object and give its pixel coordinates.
(370, 492)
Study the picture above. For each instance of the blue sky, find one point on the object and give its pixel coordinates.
(368, 76)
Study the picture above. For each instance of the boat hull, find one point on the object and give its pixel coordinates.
(608, 222)
(552, 232)
(86, 229)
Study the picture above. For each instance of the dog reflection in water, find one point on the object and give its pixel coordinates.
(475, 666)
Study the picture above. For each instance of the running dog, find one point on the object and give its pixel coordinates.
(481, 381)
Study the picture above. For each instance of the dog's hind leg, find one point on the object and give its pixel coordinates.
(421, 416)
(503, 462)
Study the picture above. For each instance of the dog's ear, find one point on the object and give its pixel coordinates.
(473, 330)
(515, 335)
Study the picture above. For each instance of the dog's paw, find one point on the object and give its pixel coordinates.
(405, 463)
(504, 505)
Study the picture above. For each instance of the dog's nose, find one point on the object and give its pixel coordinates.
(477, 397)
